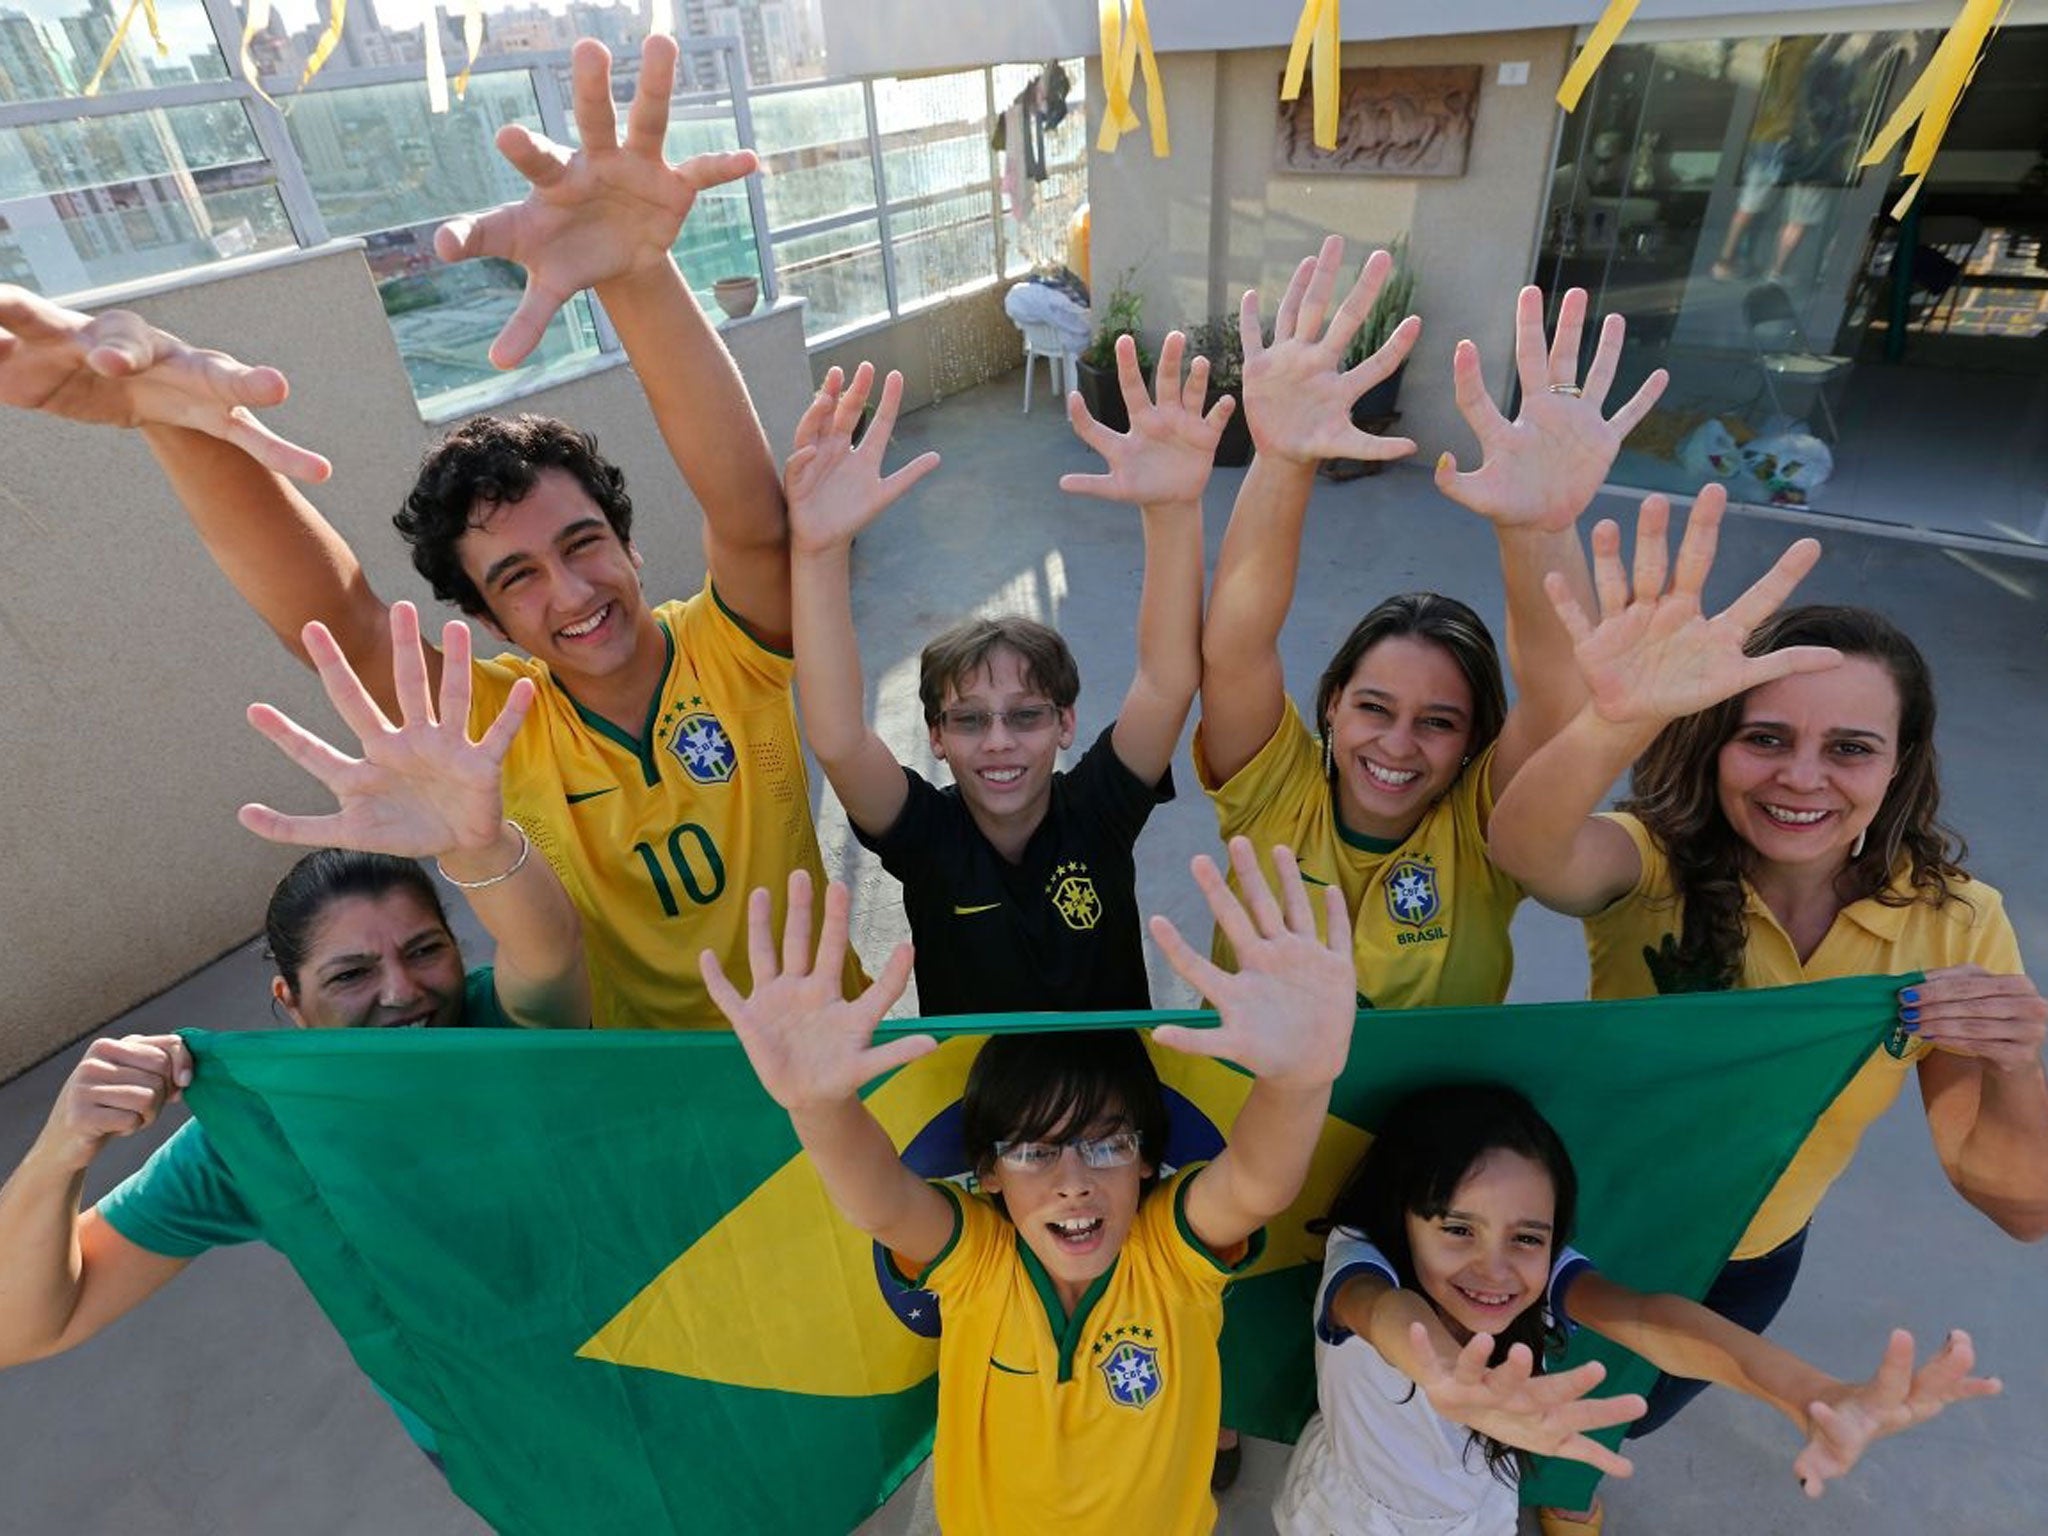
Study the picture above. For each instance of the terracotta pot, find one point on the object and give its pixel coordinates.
(737, 296)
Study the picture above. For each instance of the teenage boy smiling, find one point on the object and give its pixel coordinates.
(663, 774)
(1019, 880)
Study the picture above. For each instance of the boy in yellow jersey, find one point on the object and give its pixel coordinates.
(662, 772)
(1079, 1381)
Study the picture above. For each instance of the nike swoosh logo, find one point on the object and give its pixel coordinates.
(1311, 879)
(590, 794)
(970, 911)
(1008, 1370)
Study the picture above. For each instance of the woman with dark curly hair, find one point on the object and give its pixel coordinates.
(1783, 825)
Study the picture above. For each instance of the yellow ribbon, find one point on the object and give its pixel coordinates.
(1318, 26)
(437, 67)
(329, 41)
(1126, 45)
(1605, 31)
(1934, 97)
(257, 20)
(472, 40)
(156, 32)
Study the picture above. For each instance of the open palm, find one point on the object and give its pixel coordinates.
(1548, 1414)
(809, 1046)
(834, 486)
(598, 212)
(1656, 655)
(421, 787)
(1287, 1012)
(115, 369)
(1297, 392)
(1896, 1398)
(1542, 469)
(1171, 446)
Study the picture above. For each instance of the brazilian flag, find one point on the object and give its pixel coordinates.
(599, 1268)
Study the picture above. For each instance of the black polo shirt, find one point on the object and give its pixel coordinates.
(1058, 930)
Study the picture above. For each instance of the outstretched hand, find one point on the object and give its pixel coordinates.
(834, 486)
(1166, 456)
(1969, 1011)
(115, 369)
(1548, 1415)
(1297, 392)
(602, 211)
(1848, 1422)
(809, 1046)
(1655, 655)
(421, 787)
(1287, 1011)
(1542, 469)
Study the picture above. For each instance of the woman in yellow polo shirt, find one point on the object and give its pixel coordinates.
(1783, 826)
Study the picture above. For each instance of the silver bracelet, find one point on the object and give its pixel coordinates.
(525, 847)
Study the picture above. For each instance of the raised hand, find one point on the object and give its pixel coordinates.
(834, 487)
(115, 369)
(1297, 392)
(808, 1045)
(1967, 1010)
(421, 787)
(1542, 469)
(1846, 1423)
(117, 1088)
(596, 213)
(1655, 655)
(1166, 456)
(1287, 1011)
(1548, 1415)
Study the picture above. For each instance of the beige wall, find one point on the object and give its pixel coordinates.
(126, 660)
(1215, 218)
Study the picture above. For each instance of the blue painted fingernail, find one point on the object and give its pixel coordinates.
(1910, 1015)
(1910, 995)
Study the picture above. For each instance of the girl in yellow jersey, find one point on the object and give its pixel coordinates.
(1384, 791)
(1783, 826)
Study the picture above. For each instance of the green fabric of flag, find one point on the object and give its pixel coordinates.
(597, 1266)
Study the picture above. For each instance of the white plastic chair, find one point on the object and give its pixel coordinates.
(1043, 340)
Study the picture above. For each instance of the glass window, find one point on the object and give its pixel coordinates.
(840, 272)
(94, 201)
(814, 152)
(444, 318)
(377, 157)
(942, 247)
(49, 49)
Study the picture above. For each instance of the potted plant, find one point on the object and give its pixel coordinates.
(1220, 341)
(1121, 313)
(1394, 303)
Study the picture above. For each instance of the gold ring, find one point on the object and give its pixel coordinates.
(1565, 389)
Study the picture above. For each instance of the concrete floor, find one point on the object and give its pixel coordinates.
(227, 1405)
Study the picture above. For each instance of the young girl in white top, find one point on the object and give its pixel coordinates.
(1446, 1282)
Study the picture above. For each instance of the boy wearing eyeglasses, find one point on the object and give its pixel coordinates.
(1079, 1380)
(1018, 878)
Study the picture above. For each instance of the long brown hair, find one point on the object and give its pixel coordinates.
(1675, 791)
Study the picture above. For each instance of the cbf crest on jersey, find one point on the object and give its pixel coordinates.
(1411, 892)
(1129, 1369)
(1073, 896)
(700, 744)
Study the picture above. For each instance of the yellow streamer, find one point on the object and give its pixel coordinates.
(472, 40)
(257, 20)
(156, 33)
(329, 41)
(437, 67)
(1318, 27)
(1605, 31)
(1934, 97)
(1126, 45)
(661, 18)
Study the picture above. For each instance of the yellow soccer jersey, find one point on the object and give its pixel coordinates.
(1102, 1424)
(1429, 915)
(659, 840)
(1631, 946)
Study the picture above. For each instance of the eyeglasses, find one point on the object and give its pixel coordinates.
(1119, 1149)
(1024, 720)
